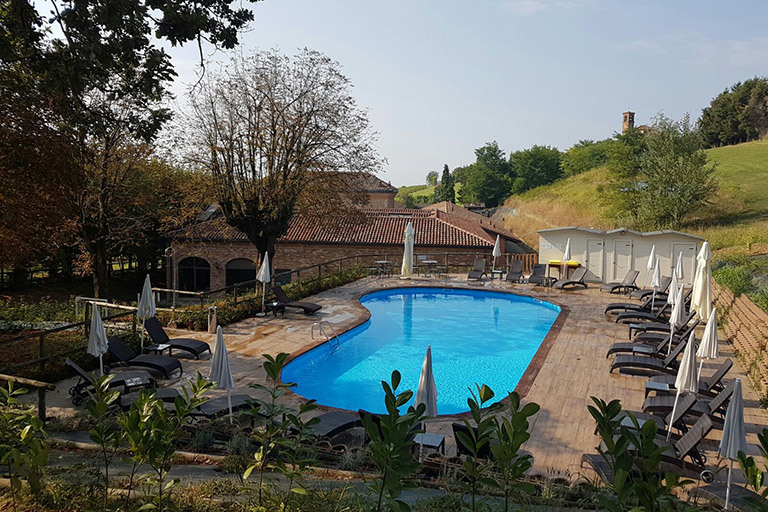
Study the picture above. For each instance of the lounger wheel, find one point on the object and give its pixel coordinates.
(107, 370)
(77, 400)
(707, 476)
(72, 391)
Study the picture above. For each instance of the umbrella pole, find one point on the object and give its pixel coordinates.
(653, 299)
(701, 363)
(674, 408)
(229, 404)
(263, 297)
(101, 365)
(671, 335)
(728, 488)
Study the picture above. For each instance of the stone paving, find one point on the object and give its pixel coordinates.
(574, 369)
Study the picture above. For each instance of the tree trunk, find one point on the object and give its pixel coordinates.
(100, 267)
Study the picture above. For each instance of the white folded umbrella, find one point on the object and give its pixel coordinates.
(677, 317)
(687, 380)
(220, 372)
(97, 338)
(701, 296)
(679, 266)
(264, 277)
(672, 292)
(146, 307)
(655, 281)
(426, 393)
(651, 264)
(708, 345)
(497, 250)
(734, 435)
(407, 268)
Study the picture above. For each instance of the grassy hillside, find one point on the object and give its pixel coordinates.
(735, 223)
(420, 193)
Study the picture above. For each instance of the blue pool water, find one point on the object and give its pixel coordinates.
(476, 337)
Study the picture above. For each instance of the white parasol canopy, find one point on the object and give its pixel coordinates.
(496, 250)
(264, 277)
(701, 297)
(687, 380)
(146, 307)
(708, 345)
(677, 317)
(426, 393)
(97, 338)
(734, 435)
(220, 372)
(407, 268)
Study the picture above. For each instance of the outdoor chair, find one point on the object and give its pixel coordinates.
(657, 327)
(219, 406)
(334, 423)
(166, 395)
(158, 335)
(664, 423)
(478, 269)
(624, 286)
(685, 451)
(515, 271)
(539, 275)
(577, 279)
(708, 386)
(307, 307)
(714, 408)
(123, 382)
(631, 316)
(647, 365)
(662, 289)
(651, 343)
(647, 305)
(127, 357)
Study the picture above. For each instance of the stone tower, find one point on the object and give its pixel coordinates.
(627, 121)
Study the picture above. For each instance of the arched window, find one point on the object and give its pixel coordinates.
(240, 270)
(194, 275)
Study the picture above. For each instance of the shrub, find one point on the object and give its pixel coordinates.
(735, 278)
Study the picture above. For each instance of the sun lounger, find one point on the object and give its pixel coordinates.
(539, 275)
(307, 307)
(626, 285)
(714, 408)
(333, 423)
(478, 269)
(577, 279)
(665, 423)
(515, 271)
(122, 381)
(636, 329)
(661, 290)
(167, 395)
(647, 365)
(664, 384)
(219, 406)
(618, 307)
(159, 336)
(127, 357)
(685, 454)
(627, 317)
(741, 499)
(651, 343)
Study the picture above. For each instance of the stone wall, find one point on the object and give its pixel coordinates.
(746, 327)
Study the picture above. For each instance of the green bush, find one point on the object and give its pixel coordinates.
(735, 278)
(228, 311)
(31, 313)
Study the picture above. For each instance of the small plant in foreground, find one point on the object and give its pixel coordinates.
(105, 432)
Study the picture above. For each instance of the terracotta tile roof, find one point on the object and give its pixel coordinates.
(369, 183)
(375, 227)
(475, 218)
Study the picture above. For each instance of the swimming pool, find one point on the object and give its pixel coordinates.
(476, 336)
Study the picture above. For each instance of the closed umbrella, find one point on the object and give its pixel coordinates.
(672, 294)
(407, 268)
(146, 307)
(701, 297)
(97, 338)
(687, 380)
(567, 254)
(651, 264)
(655, 281)
(496, 250)
(264, 277)
(426, 393)
(679, 266)
(677, 317)
(708, 346)
(734, 436)
(220, 372)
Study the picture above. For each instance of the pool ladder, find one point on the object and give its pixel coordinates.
(333, 341)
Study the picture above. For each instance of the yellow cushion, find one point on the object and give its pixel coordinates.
(572, 263)
(555, 262)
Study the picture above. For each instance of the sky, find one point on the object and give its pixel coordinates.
(441, 78)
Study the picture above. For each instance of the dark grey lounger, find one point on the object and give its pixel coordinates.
(127, 357)
(647, 365)
(715, 408)
(309, 308)
(218, 406)
(515, 271)
(478, 269)
(577, 279)
(539, 275)
(651, 343)
(122, 381)
(625, 285)
(159, 336)
(335, 422)
(707, 385)
(664, 283)
(167, 395)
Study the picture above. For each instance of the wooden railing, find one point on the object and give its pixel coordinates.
(41, 387)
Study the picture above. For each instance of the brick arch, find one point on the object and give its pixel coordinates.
(239, 270)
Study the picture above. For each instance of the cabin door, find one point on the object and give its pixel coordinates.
(689, 260)
(622, 259)
(594, 263)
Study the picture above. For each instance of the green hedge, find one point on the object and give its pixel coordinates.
(228, 311)
(742, 277)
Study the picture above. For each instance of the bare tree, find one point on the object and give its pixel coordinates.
(280, 135)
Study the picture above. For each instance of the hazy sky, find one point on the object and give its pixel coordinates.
(442, 77)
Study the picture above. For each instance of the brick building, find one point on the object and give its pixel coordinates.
(212, 254)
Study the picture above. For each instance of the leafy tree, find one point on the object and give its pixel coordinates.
(432, 178)
(493, 158)
(585, 155)
(482, 185)
(446, 190)
(98, 68)
(459, 174)
(738, 114)
(625, 164)
(275, 133)
(534, 167)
